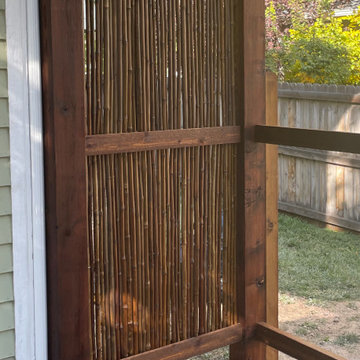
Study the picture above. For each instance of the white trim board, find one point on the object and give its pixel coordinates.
(27, 179)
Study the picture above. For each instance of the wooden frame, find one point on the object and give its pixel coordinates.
(308, 138)
(65, 179)
(195, 346)
(292, 345)
(318, 216)
(65, 168)
(272, 274)
(329, 157)
(250, 98)
(165, 139)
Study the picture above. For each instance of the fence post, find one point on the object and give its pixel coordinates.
(249, 76)
(65, 179)
(271, 211)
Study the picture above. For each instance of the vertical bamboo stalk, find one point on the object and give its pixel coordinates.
(184, 246)
(130, 280)
(97, 260)
(164, 245)
(156, 248)
(111, 293)
(173, 240)
(178, 164)
(227, 240)
(140, 249)
(169, 244)
(217, 219)
(146, 207)
(197, 241)
(102, 260)
(220, 215)
(88, 50)
(202, 272)
(134, 253)
(152, 249)
(234, 207)
(192, 241)
(202, 310)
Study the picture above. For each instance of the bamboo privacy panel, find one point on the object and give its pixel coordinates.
(162, 223)
(323, 185)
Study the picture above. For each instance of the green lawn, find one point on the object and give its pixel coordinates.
(317, 263)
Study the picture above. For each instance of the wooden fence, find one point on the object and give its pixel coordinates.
(322, 185)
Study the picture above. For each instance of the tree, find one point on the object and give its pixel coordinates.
(283, 15)
(326, 52)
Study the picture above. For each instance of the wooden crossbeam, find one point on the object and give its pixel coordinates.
(195, 346)
(164, 139)
(329, 157)
(308, 138)
(338, 97)
(292, 345)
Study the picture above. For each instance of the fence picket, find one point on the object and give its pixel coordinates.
(330, 178)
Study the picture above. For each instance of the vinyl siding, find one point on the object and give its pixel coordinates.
(7, 326)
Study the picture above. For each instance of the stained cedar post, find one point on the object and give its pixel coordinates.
(271, 212)
(249, 53)
(65, 178)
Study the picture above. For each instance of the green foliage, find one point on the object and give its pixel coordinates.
(317, 61)
(310, 45)
(327, 52)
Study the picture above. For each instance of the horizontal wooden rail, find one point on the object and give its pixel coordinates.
(338, 97)
(165, 139)
(195, 346)
(328, 157)
(319, 216)
(308, 138)
(292, 345)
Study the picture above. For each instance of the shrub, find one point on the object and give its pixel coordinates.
(326, 52)
(305, 43)
(317, 61)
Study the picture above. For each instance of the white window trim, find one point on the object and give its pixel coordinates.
(27, 178)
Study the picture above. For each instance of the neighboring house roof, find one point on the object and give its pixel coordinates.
(347, 9)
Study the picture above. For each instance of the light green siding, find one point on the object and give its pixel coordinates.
(7, 344)
(7, 326)
(5, 171)
(6, 288)
(5, 232)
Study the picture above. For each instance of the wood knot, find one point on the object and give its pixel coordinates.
(260, 283)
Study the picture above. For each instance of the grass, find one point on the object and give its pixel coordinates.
(306, 328)
(347, 339)
(317, 263)
(219, 354)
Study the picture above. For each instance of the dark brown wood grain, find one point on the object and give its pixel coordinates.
(194, 346)
(249, 35)
(65, 179)
(165, 139)
(308, 138)
(292, 345)
(272, 274)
